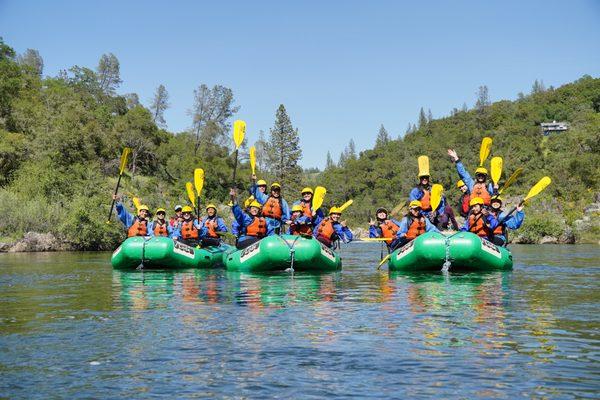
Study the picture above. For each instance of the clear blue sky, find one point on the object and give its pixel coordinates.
(340, 68)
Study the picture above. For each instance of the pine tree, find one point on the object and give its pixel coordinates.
(464, 107)
(108, 73)
(329, 163)
(284, 151)
(159, 104)
(383, 137)
(483, 98)
(422, 118)
(351, 150)
(429, 115)
(538, 87)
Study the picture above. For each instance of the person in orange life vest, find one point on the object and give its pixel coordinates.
(136, 226)
(274, 208)
(253, 226)
(505, 222)
(160, 227)
(384, 227)
(331, 229)
(413, 224)
(422, 193)
(301, 223)
(479, 187)
(306, 203)
(189, 229)
(480, 221)
(178, 218)
(212, 224)
(465, 198)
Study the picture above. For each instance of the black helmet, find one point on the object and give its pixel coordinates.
(381, 209)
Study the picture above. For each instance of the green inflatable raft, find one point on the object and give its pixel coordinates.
(463, 251)
(278, 253)
(165, 253)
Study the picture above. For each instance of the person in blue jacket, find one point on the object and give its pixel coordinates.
(505, 221)
(413, 224)
(252, 225)
(135, 225)
(385, 227)
(274, 208)
(443, 215)
(212, 224)
(306, 202)
(480, 221)
(478, 188)
(160, 226)
(331, 230)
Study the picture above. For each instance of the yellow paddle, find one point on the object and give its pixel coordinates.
(198, 184)
(190, 192)
(122, 165)
(534, 191)
(346, 205)
(383, 261)
(239, 131)
(253, 159)
(436, 196)
(318, 197)
(379, 239)
(511, 180)
(423, 162)
(136, 203)
(484, 151)
(496, 169)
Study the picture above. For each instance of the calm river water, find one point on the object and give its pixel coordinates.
(71, 327)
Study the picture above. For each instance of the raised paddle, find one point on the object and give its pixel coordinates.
(436, 196)
(534, 191)
(346, 205)
(239, 131)
(122, 165)
(253, 159)
(190, 192)
(136, 203)
(378, 239)
(484, 150)
(383, 261)
(496, 169)
(423, 162)
(318, 197)
(511, 180)
(198, 184)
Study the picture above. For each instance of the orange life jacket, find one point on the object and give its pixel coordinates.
(417, 227)
(389, 230)
(160, 229)
(272, 208)
(300, 229)
(501, 228)
(306, 209)
(426, 200)
(257, 228)
(211, 225)
(479, 228)
(480, 190)
(189, 230)
(138, 228)
(326, 229)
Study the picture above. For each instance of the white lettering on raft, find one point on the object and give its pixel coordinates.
(183, 249)
(327, 252)
(490, 248)
(250, 252)
(406, 249)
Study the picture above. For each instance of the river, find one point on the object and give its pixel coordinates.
(71, 327)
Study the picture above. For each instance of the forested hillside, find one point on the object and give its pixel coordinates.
(61, 138)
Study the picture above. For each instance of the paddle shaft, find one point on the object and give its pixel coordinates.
(235, 166)
(116, 192)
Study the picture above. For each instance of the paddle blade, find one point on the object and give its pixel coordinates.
(136, 203)
(346, 205)
(253, 159)
(511, 180)
(198, 180)
(436, 196)
(123, 162)
(239, 131)
(318, 197)
(484, 151)
(423, 162)
(383, 261)
(190, 192)
(538, 187)
(496, 167)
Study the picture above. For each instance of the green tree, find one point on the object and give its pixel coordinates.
(159, 105)
(109, 76)
(32, 59)
(284, 150)
(383, 137)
